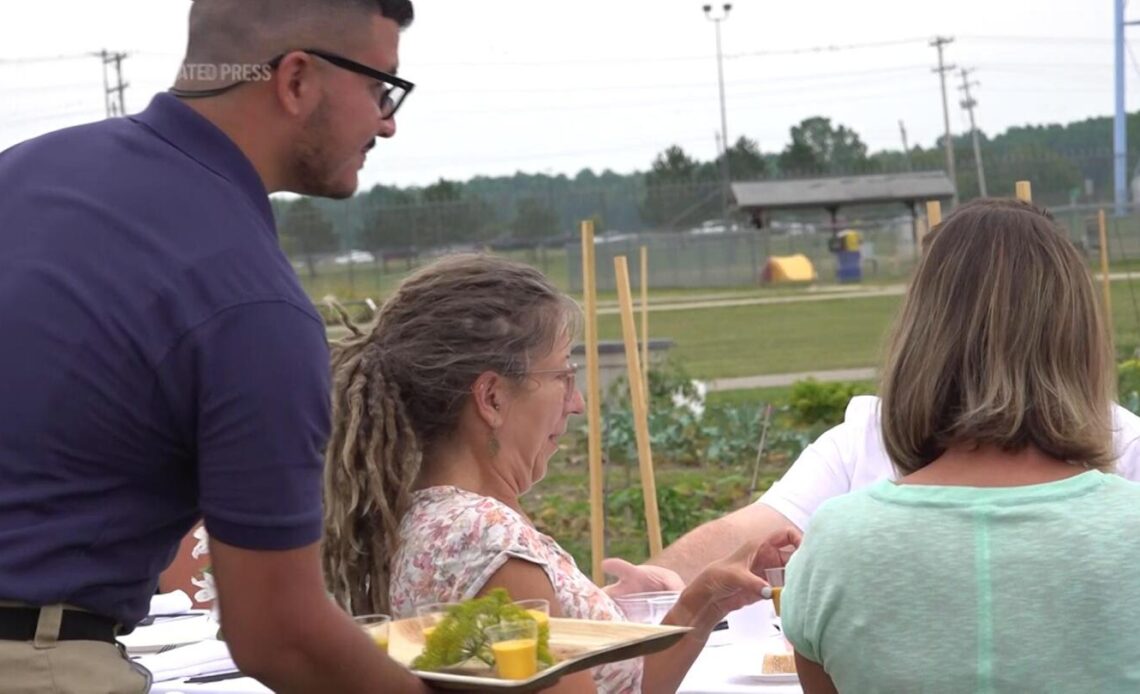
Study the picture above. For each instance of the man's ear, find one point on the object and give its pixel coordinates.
(296, 86)
(489, 395)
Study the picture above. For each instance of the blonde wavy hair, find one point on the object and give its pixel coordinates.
(1000, 341)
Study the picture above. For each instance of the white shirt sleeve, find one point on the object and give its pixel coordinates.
(846, 457)
(852, 455)
(1126, 443)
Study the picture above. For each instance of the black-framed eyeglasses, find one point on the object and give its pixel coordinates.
(396, 89)
(568, 376)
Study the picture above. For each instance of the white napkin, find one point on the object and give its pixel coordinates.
(203, 658)
(171, 632)
(176, 602)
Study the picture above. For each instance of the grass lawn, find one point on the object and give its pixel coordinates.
(771, 338)
(817, 335)
(721, 342)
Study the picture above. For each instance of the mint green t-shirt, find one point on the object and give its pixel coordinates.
(909, 588)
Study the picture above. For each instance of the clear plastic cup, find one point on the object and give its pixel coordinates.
(376, 626)
(538, 608)
(514, 646)
(431, 614)
(775, 578)
(647, 608)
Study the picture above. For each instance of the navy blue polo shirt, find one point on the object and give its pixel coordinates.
(159, 361)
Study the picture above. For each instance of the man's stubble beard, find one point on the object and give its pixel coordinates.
(313, 170)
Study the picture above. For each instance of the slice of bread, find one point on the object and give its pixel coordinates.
(779, 663)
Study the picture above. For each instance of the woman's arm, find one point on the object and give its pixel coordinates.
(813, 678)
(527, 581)
(665, 670)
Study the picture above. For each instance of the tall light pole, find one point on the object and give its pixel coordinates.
(716, 20)
(1119, 130)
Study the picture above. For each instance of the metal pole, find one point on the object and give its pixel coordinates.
(725, 142)
(720, 80)
(1119, 133)
(939, 42)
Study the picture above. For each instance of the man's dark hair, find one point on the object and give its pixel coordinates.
(253, 31)
(399, 11)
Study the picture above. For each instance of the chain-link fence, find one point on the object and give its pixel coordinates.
(363, 246)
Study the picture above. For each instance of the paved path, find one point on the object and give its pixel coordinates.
(674, 305)
(779, 380)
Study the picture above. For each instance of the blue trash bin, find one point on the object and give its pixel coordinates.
(850, 266)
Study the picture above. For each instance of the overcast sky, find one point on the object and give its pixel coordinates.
(543, 86)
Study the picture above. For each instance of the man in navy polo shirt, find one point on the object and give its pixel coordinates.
(159, 361)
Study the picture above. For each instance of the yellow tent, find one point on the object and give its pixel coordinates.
(790, 268)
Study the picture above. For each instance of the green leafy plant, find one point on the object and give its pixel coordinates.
(460, 636)
(812, 402)
(1128, 377)
(682, 507)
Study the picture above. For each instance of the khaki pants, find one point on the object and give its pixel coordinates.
(49, 666)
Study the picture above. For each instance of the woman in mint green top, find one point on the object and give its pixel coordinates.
(999, 561)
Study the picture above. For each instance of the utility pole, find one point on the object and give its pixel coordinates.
(968, 103)
(725, 173)
(121, 86)
(906, 147)
(106, 85)
(114, 106)
(938, 42)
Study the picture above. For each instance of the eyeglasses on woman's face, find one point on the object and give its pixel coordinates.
(568, 375)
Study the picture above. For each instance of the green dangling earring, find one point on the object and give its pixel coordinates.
(494, 445)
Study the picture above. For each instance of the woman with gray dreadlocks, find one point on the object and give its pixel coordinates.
(444, 414)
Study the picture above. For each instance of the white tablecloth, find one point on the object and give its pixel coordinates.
(730, 664)
(732, 669)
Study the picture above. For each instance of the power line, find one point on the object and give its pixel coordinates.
(824, 48)
(1036, 39)
(34, 88)
(811, 77)
(40, 117)
(831, 48)
(673, 104)
(1132, 58)
(43, 59)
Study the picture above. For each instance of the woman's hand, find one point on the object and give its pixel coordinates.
(732, 582)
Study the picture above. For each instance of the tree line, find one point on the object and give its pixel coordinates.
(678, 190)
